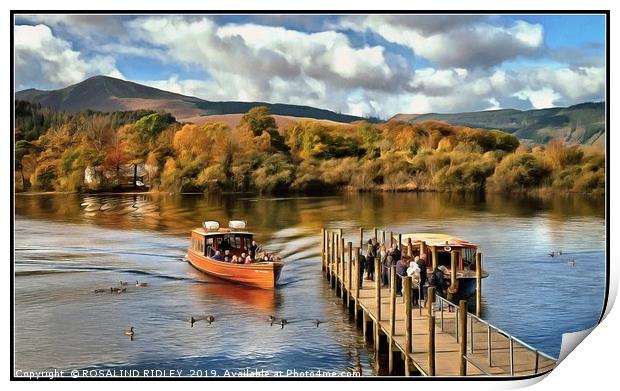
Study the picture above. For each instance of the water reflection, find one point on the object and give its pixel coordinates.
(259, 300)
(177, 213)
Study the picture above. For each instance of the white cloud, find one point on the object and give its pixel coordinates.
(43, 59)
(476, 43)
(540, 99)
(467, 66)
(265, 63)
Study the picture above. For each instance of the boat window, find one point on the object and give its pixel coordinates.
(237, 242)
(444, 259)
(469, 258)
(198, 244)
(247, 243)
(231, 242)
(226, 243)
(209, 247)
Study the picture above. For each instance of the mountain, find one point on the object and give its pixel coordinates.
(103, 93)
(579, 124)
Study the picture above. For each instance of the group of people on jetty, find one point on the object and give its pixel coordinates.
(252, 256)
(415, 267)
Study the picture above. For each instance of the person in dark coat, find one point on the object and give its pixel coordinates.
(362, 267)
(423, 276)
(370, 262)
(401, 271)
(396, 254)
(438, 282)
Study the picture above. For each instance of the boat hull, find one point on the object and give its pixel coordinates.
(467, 289)
(260, 275)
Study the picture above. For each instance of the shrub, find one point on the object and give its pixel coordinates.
(519, 172)
(467, 176)
(275, 174)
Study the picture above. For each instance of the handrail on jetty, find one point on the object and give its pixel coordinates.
(459, 343)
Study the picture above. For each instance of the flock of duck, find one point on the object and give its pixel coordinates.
(210, 319)
(552, 254)
(120, 289)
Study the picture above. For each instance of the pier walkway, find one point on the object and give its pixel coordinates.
(443, 339)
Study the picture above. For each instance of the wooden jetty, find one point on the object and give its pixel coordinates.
(430, 339)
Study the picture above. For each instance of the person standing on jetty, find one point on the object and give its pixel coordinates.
(370, 261)
(414, 271)
(423, 276)
(401, 271)
(385, 267)
(438, 282)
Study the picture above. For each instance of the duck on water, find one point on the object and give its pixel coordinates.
(232, 254)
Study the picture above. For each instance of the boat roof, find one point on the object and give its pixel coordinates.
(220, 231)
(435, 239)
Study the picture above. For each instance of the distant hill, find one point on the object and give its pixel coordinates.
(232, 120)
(103, 93)
(579, 124)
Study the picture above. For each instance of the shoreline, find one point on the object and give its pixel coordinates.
(536, 192)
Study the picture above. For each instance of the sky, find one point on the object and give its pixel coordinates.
(366, 65)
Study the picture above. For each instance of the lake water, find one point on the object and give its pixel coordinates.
(67, 245)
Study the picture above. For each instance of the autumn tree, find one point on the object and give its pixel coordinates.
(138, 139)
(259, 120)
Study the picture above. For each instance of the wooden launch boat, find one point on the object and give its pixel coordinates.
(213, 248)
(438, 249)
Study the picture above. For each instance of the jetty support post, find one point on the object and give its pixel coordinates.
(375, 233)
(430, 298)
(393, 278)
(383, 237)
(400, 243)
(409, 248)
(365, 325)
(332, 255)
(328, 253)
(342, 252)
(337, 265)
(408, 326)
(356, 288)
(453, 266)
(478, 283)
(378, 304)
(463, 334)
(434, 253)
(349, 272)
(391, 239)
(358, 271)
(323, 249)
(422, 248)
(431, 345)
(361, 236)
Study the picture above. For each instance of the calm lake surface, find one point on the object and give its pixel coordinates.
(66, 245)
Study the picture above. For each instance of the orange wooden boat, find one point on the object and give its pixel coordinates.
(213, 250)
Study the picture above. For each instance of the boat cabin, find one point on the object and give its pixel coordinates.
(439, 248)
(211, 238)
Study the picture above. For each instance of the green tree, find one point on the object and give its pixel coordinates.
(151, 125)
(259, 120)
